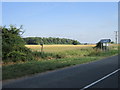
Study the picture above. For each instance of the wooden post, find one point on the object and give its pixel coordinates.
(101, 46)
(104, 46)
(41, 48)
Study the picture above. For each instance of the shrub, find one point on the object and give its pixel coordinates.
(45, 55)
(13, 48)
(95, 52)
(42, 54)
(58, 56)
(16, 56)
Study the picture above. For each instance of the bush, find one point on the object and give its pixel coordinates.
(95, 52)
(99, 52)
(42, 54)
(22, 49)
(13, 48)
(45, 55)
(58, 56)
(16, 56)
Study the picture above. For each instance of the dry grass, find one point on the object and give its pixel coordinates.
(57, 48)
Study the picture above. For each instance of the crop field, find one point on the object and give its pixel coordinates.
(57, 48)
(69, 51)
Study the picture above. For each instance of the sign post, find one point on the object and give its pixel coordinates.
(41, 48)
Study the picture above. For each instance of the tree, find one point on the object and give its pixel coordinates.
(75, 42)
(112, 42)
(13, 44)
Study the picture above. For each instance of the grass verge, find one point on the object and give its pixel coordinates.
(32, 67)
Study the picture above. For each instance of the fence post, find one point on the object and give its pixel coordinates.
(41, 48)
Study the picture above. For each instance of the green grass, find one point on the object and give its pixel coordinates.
(71, 57)
(32, 67)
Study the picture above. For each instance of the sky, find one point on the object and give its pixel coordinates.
(87, 22)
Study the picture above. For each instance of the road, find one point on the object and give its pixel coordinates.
(98, 74)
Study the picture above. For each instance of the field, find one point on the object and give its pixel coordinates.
(67, 51)
(56, 56)
(57, 48)
(63, 51)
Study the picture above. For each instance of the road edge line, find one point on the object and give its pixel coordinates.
(99, 80)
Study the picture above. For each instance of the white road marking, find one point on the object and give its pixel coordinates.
(100, 80)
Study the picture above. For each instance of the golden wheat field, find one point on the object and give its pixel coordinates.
(57, 48)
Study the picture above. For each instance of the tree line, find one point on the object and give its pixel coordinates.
(49, 40)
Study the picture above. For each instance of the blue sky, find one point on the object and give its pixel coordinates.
(82, 21)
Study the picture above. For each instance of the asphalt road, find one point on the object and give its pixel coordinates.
(79, 76)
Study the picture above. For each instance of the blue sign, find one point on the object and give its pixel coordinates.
(105, 41)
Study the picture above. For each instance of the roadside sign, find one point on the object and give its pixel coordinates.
(105, 41)
(103, 44)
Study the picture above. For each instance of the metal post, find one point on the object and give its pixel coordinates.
(116, 36)
(101, 46)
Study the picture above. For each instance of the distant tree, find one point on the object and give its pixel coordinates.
(112, 42)
(75, 43)
(50, 40)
